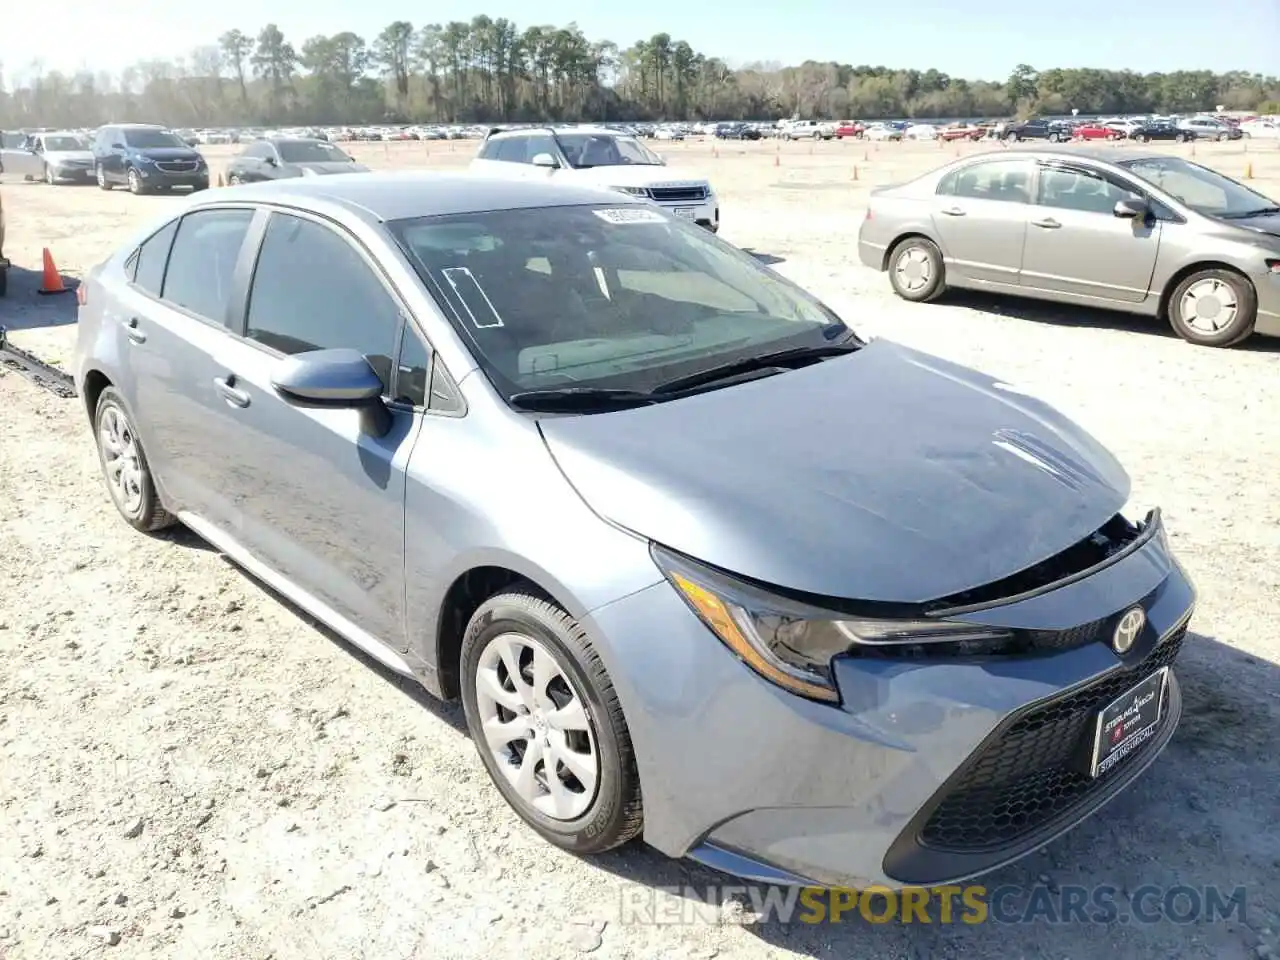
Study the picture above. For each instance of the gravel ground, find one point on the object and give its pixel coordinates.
(190, 767)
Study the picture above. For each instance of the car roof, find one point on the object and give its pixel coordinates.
(592, 131)
(405, 194)
(1113, 155)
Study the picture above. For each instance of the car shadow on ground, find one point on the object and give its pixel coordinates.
(449, 712)
(23, 307)
(1060, 315)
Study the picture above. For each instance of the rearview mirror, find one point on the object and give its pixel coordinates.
(1131, 209)
(117, 146)
(337, 379)
(545, 160)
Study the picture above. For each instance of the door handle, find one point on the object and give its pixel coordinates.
(1048, 223)
(226, 387)
(132, 332)
(953, 212)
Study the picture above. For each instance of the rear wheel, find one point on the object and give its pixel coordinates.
(124, 466)
(546, 720)
(1213, 308)
(916, 270)
(1224, 137)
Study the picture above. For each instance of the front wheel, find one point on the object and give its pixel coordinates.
(916, 270)
(102, 178)
(1213, 308)
(1223, 137)
(135, 183)
(545, 717)
(49, 178)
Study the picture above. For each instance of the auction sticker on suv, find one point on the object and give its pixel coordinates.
(1128, 721)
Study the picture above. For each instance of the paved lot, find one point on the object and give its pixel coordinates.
(190, 768)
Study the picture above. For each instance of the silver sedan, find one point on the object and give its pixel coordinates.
(1142, 232)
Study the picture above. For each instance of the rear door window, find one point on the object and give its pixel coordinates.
(202, 262)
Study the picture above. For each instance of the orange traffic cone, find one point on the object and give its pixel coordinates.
(52, 280)
(855, 173)
(1248, 171)
(221, 182)
(777, 160)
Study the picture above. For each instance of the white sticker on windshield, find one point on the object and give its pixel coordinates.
(629, 215)
(483, 314)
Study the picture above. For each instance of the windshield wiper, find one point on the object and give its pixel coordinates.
(780, 358)
(571, 399)
(1260, 212)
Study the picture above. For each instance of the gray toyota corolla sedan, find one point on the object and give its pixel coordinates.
(1125, 229)
(701, 564)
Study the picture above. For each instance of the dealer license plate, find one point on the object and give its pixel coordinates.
(685, 213)
(1127, 722)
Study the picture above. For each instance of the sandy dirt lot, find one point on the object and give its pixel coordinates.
(191, 768)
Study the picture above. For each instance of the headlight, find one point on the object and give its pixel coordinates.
(144, 159)
(792, 643)
(634, 191)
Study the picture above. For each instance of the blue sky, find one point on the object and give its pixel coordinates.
(980, 39)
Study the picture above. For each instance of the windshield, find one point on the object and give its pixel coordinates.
(1203, 190)
(64, 143)
(604, 150)
(151, 139)
(619, 297)
(310, 151)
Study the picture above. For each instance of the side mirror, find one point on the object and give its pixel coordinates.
(1131, 209)
(269, 161)
(545, 160)
(336, 379)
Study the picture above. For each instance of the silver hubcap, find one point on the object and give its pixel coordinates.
(1209, 306)
(914, 269)
(536, 727)
(120, 460)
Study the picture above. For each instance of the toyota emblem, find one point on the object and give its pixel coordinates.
(1127, 630)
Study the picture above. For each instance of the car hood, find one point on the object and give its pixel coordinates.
(640, 175)
(324, 167)
(169, 153)
(887, 475)
(56, 157)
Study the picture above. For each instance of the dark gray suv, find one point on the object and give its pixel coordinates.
(147, 158)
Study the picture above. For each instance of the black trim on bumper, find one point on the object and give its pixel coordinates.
(924, 853)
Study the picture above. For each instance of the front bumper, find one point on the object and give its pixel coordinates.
(930, 772)
(74, 174)
(153, 176)
(705, 213)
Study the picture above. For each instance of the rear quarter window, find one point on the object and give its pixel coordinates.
(150, 260)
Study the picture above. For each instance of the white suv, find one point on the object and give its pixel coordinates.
(600, 157)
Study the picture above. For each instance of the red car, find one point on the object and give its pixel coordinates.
(962, 132)
(1096, 131)
(848, 128)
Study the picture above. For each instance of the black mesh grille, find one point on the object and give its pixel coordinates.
(1031, 772)
(678, 194)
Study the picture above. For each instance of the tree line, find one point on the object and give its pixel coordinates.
(491, 70)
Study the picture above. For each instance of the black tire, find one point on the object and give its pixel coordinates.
(1224, 137)
(136, 186)
(103, 182)
(616, 814)
(150, 515)
(4, 281)
(936, 281)
(49, 178)
(1239, 328)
